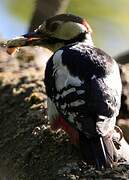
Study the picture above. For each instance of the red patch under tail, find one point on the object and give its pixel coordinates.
(60, 123)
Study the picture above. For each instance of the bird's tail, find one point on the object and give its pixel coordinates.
(97, 151)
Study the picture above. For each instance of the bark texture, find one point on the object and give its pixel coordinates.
(45, 9)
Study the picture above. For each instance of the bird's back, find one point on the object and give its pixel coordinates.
(84, 83)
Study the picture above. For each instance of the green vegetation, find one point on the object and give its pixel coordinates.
(115, 11)
(21, 9)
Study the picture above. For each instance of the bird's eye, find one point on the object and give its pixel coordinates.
(54, 26)
(41, 28)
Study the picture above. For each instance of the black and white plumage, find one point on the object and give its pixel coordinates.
(83, 86)
(83, 83)
(79, 80)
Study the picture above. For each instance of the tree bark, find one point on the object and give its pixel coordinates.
(45, 9)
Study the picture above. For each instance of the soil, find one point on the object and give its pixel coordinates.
(29, 150)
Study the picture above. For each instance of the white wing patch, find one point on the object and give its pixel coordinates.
(74, 81)
(62, 76)
(68, 91)
(77, 103)
(113, 80)
(80, 92)
(52, 110)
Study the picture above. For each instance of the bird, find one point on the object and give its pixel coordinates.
(83, 86)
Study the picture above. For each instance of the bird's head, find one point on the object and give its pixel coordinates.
(56, 32)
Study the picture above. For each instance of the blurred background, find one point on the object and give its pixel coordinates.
(108, 19)
(28, 148)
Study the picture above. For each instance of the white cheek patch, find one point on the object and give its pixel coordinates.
(52, 110)
(69, 30)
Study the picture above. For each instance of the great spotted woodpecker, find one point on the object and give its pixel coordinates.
(83, 86)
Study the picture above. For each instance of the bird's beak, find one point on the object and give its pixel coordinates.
(30, 39)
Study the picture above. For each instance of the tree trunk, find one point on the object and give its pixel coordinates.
(123, 58)
(45, 9)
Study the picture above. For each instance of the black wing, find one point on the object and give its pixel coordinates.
(80, 81)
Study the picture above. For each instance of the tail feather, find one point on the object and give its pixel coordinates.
(97, 151)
